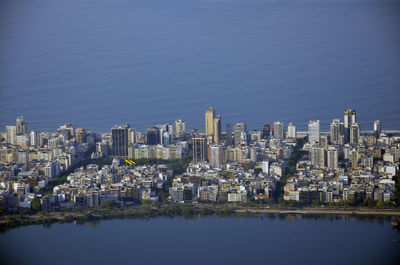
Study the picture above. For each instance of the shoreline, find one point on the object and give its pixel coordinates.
(350, 211)
(8, 222)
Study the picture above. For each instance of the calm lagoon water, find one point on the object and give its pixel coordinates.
(209, 240)
(99, 63)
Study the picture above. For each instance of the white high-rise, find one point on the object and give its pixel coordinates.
(313, 131)
(180, 127)
(377, 128)
(291, 130)
(35, 138)
(11, 134)
(332, 157)
(317, 156)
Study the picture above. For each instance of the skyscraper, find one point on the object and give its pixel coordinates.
(11, 134)
(180, 127)
(228, 134)
(120, 140)
(22, 125)
(199, 150)
(337, 131)
(313, 131)
(292, 130)
(277, 129)
(210, 115)
(354, 133)
(377, 128)
(239, 128)
(349, 119)
(217, 129)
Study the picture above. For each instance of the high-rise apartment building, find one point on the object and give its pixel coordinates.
(35, 138)
(21, 126)
(349, 119)
(199, 150)
(313, 131)
(277, 129)
(354, 133)
(266, 131)
(120, 140)
(291, 130)
(228, 134)
(217, 129)
(210, 115)
(11, 134)
(153, 136)
(80, 135)
(337, 131)
(332, 157)
(317, 155)
(239, 129)
(377, 128)
(215, 155)
(180, 127)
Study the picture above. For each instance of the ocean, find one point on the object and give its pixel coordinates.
(101, 63)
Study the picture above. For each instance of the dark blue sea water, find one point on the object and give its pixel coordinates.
(211, 240)
(99, 63)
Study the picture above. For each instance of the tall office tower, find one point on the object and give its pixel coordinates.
(377, 128)
(217, 129)
(152, 136)
(80, 135)
(228, 134)
(11, 134)
(313, 131)
(215, 155)
(120, 140)
(337, 131)
(180, 127)
(349, 119)
(277, 130)
(210, 115)
(199, 150)
(35, 140)
(239, 128)
(332, 157)
(354, 133)
(317, 155)
(291, 130)
(22, 126)
(266, 131)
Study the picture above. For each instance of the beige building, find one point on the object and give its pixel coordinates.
(210, 115)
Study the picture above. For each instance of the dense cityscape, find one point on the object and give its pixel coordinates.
(75, 167)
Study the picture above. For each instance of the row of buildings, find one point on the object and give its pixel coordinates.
(234, 165)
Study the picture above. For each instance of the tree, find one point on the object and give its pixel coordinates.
(35, 204)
